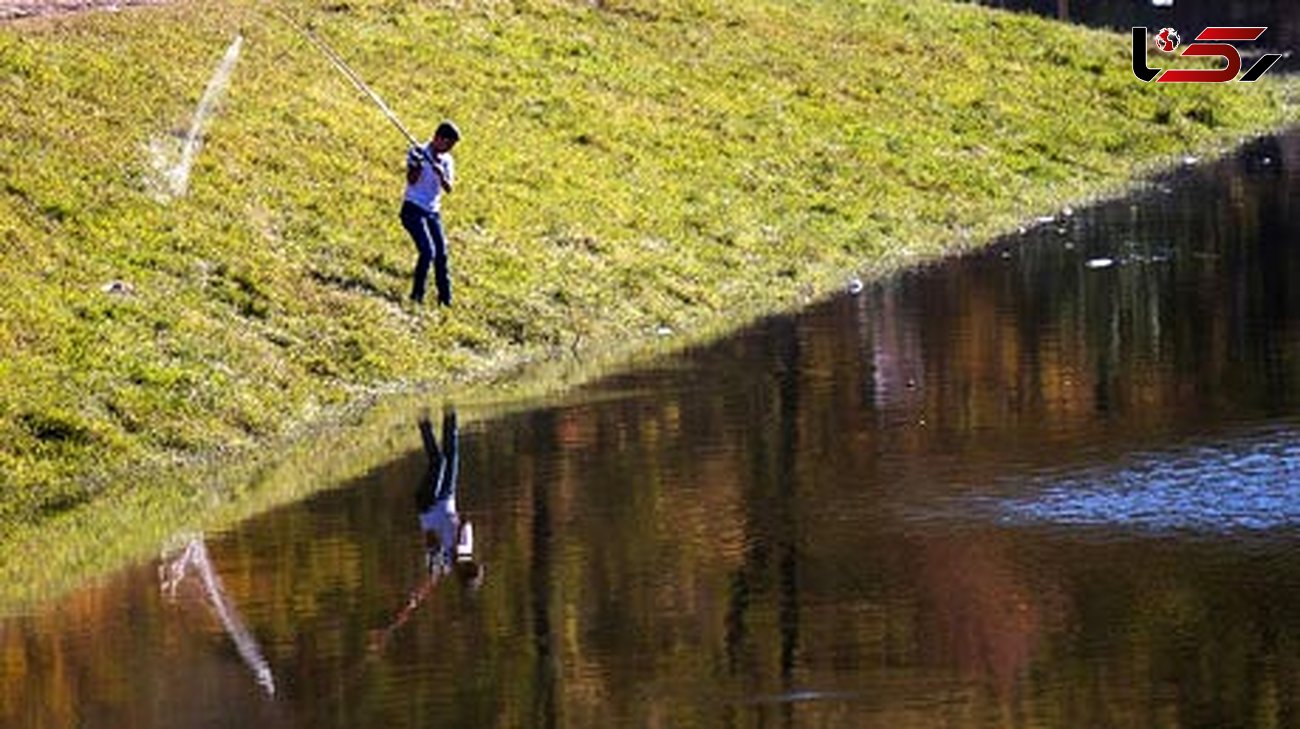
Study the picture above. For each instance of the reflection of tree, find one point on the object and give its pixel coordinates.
(773, 520)
(1194, 320)
(941, 375)
(545, 710)
(978, 612)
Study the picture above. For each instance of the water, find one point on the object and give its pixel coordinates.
(173, 161)
(191, 564)
(1234, 487)
(1014, 489)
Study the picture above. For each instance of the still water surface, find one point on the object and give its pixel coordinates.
(1052, 484)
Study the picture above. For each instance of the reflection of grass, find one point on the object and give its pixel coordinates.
(625, 167)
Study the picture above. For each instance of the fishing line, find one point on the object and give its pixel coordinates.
(352, 76)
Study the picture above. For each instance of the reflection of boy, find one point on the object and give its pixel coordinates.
(448, 539)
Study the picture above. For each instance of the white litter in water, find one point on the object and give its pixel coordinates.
(174, 164)
(1163, 3)
(855, 286)
(1100, 263)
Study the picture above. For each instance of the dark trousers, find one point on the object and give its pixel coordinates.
(426, 230)
(440, 483)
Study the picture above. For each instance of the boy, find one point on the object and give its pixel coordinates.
(430, 172)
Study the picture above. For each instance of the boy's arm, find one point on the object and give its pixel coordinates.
(414, 161)
(465, 540)
(446, 172)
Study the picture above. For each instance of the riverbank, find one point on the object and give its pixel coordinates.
(632, 176)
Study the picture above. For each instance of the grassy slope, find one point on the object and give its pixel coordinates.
(625, 167)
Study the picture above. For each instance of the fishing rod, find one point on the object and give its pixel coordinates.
(356, 80)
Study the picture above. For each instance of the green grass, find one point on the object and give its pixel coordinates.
(626, 166)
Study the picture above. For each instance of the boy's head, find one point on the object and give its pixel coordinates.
(445, 137)
(470, 573)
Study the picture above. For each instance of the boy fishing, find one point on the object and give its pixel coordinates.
(430, 173)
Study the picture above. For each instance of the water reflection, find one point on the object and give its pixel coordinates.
(448, 538)
(191, 561)
(864, 515)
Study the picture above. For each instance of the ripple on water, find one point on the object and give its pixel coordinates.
(1251, 484)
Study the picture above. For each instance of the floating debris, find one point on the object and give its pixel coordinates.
(664, 331)
(855, 286)
(1191, 160)
(1100, 263)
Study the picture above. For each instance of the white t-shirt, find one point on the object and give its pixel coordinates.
(455, 539)
(426, 192)
(441, 518)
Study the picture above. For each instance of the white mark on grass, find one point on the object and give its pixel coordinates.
(120, 288)
(174, 158)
